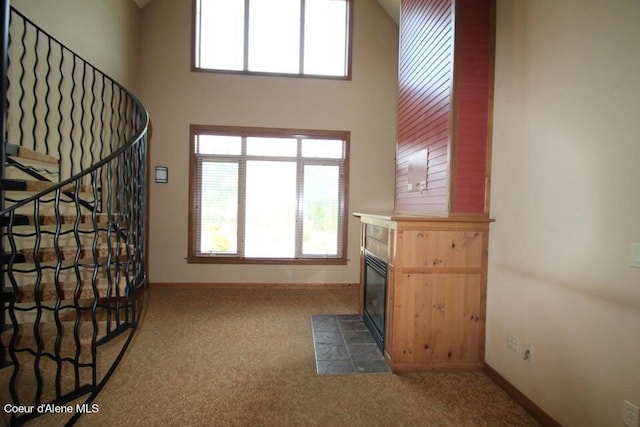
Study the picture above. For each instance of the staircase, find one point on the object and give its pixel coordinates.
(72, 223)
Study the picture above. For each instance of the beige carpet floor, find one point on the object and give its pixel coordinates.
(245, 357)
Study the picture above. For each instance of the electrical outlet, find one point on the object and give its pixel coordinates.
(630, 415)
(528, 353)
(513, 343)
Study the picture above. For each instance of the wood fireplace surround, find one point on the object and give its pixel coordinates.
(435, 241)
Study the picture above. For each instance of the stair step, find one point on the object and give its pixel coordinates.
(26, 293)
(72, 383)
(27, 153)
(26, 381)
(50, 219)
(48, 331)
(48, 254)
(36, 186)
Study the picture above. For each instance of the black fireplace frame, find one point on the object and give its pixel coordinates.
(374, 322)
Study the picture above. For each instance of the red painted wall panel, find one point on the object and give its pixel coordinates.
(473, 83)
(424, 103)
(445, 88)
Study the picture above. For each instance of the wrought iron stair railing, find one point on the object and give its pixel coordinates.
(72, 222)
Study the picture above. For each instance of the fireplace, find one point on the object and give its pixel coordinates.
(375, 290)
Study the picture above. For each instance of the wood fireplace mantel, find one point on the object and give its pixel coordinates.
(436, 287)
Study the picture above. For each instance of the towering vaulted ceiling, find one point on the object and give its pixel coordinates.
(392, 7)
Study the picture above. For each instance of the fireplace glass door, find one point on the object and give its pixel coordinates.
(375, 289)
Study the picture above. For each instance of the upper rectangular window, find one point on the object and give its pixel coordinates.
(290, 37)
(267, 195)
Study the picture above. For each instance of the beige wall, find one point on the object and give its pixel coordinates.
(177, 97)
(565, 196)
(565, 171)
(105, 33)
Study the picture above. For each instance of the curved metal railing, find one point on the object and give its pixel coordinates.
(73, 216)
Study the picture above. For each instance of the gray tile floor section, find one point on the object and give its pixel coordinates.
(344, 345)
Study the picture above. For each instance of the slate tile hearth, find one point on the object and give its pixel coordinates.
(344, 345)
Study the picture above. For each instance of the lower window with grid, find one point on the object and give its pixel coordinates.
(261, 195)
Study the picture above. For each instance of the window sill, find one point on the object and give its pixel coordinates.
(265, 261)
(270, 74)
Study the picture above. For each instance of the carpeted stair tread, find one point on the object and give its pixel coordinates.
(51, 371)
(47, 333)
(14, 150)
(52, 219)
(37, 186)
(48, 291)
(48, 254)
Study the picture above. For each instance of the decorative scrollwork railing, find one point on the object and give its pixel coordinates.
(72, 221)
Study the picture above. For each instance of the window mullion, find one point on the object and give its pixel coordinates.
(247, 5)
(302, 25)
(198, 203)
(299, 200)
(242, 198)
(198, 25)
(342, 200)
